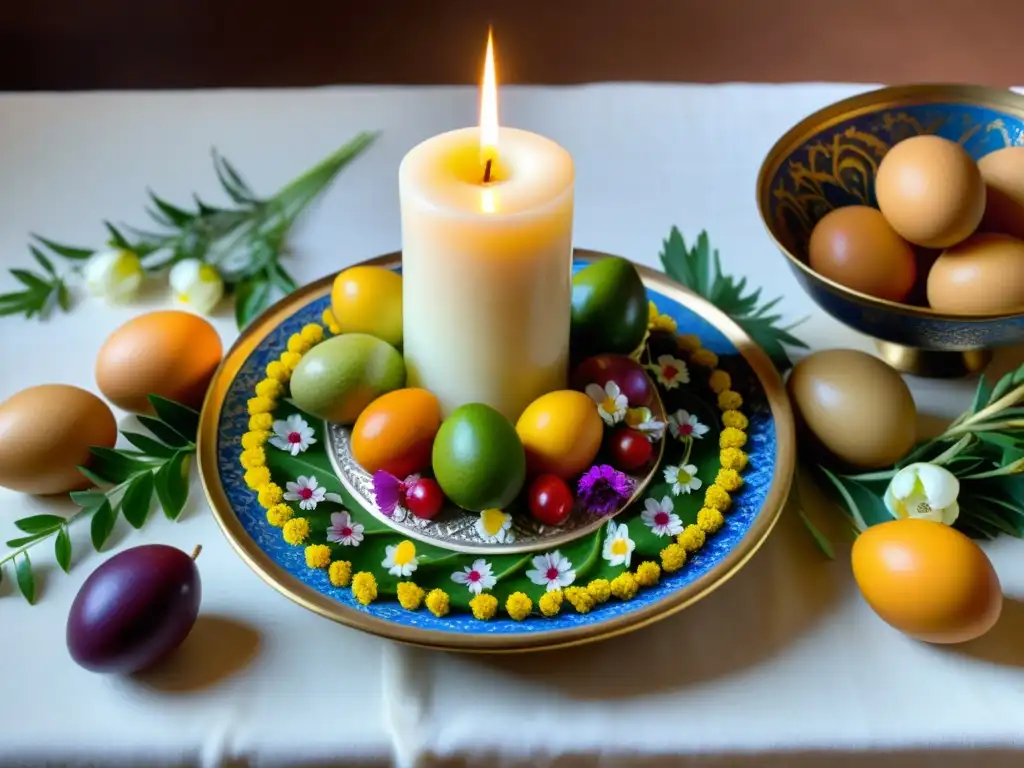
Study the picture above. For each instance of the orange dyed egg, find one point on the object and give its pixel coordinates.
(927, 580)
(396, 432)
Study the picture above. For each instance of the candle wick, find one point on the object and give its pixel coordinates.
(487, 172)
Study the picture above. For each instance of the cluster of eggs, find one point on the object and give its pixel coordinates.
(948, 232)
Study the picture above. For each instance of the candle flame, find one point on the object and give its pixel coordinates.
(489, 107)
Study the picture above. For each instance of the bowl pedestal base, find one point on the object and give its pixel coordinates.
(934, 364)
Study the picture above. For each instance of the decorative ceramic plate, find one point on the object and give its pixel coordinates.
(719, 479)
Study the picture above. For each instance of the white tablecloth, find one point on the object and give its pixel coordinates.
(783, 666)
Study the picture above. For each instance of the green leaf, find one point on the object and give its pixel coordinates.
(137, 499)
(180, 418)
(44, 262)
(173, 214)
(67, 251)
(115, 466)
(231, 181)
(63, 297)
(22, 541)
(31, 280)
(103, 519)
(94, 478)
(39, 523)
(87, 499)
(62, 549)
(148, 445)
(164, 432)
(252, 296)
(25, 578)
(281, 279)
(172, 481)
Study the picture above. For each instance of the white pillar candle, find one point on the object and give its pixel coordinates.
(487, 268)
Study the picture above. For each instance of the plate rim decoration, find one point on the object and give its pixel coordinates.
(294, 589)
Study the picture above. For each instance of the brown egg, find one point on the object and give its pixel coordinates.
(168, 353)
(853, 406)
(927, 580)
(855, 246)
(45, 434)
(983, 274)
(1003, 172)
(931, 191)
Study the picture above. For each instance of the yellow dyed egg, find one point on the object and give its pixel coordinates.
(927, 580)
(561, 432)
(369, 300)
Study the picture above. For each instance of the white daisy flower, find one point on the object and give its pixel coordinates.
(659, 517)
(611, 403)
(292, 434)
(495, 527)
(400, 559)
(344, 531)
(642, 420)
(476, 577)
(552, 570)
(683, 478)
(683, 424)
(308, 493)
(618, 547)
(670, 371)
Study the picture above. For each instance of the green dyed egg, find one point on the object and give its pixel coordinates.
(609, 309)
(339, 377)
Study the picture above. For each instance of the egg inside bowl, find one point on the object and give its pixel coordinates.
(831, 161)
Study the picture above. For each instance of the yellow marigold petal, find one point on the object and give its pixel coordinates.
(410, 595)
(253, 458)
(270, 494)
(691, 539)
(688, 343)
(289, 360)
(261, 422)
(275, 370)
(648, 573)
(279, 514)
(719, 381)
(257, 477)
(729, 479)
(340, 573)
(580, 599)
(704, 358)
(729, 400)
(518, 606)
(716, 497)
(327, 317)
(733, 458)
(732, 438)
(600, 590)
(673, 557)
(483, 606)
(271, 388)
(735, 419)
(710, 519)
(318, 556)
(624, 586)
(550, 602)
(364, 587)
(438, 602)
(313, 333)
(255, 439)
(296, 531)
(298, 344)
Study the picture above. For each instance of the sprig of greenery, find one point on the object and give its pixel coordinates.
(983, 448)
(126, 480)
(700, 269)
(244, 242)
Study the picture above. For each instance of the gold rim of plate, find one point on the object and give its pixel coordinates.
(850, 108)
(294, 589)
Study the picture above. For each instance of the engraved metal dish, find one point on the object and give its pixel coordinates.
(456, 529)
(829, 160)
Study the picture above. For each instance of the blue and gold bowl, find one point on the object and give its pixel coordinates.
(830, 159)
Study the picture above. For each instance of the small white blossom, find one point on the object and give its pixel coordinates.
(660, 517)
(552, 571)
(476, 577)
(611, 403)
(400, 559)
(292, 434)
(683, 424)
(344, 531)
(618, 547)
(683, 478)
(113, 275)
(196, 284)
(308, 493)
(925, 491)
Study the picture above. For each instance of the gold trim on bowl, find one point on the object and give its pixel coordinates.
(309, 598)
(873, 101)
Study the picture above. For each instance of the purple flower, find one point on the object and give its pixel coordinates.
(389, 492)
(603, 488)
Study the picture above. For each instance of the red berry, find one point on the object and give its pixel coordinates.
(424, 498)
(550, 500)
(630, 449)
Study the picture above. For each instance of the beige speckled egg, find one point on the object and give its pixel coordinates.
(854, 406)
(931, 191)
(983, 274)
(45, 434)
(1003, 172)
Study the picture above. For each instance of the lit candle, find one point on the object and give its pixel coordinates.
(487, 262)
